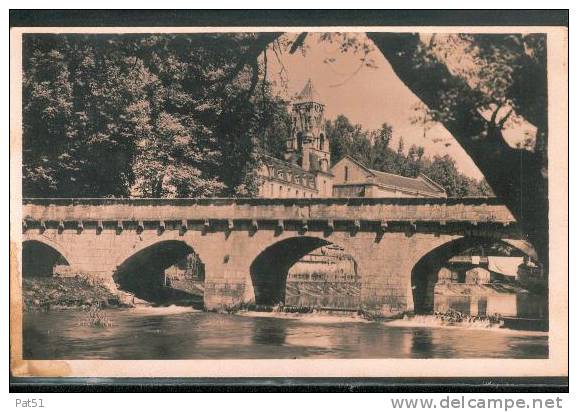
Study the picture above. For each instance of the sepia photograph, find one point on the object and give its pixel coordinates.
(376, 198)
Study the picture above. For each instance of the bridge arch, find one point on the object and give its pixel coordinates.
(270, 269)
(142, 273)
(128, 249)
(39, 258)
(424, 274)
(55, 244)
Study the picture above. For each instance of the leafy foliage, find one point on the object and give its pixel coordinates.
(144, 115)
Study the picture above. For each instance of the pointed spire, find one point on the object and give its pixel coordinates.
(308, 94)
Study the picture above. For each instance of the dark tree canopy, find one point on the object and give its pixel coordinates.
(144, 115)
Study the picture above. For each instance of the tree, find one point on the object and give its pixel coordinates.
(145, 115)
(443, 171)
(414, 158)
(168, 162)
(74, 145)
(384, 134)
(274, 124)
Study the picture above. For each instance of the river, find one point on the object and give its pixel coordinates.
(181, 333)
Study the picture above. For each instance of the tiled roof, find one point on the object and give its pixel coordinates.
(285, 165)
(409, 183)
(298, 176)
(308, 94)
(423, 184)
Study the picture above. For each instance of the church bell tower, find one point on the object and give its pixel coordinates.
(308, 145)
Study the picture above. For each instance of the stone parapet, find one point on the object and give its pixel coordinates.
(362, 213)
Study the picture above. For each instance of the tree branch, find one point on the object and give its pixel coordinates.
(257, 47)
(299, 41)
(495, 114)
(502, 122)
(515, 175)
(264, 83)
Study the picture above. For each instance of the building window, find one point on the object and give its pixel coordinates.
(346, 173)
(299, 141)
(296, 193)
(280, 191)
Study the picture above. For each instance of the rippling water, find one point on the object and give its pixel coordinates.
(184, 334)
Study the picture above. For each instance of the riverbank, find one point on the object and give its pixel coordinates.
(59, 293)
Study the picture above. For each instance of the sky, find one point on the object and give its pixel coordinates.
(367, 96)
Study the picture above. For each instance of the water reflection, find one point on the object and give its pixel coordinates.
(265, 333)
(198, 335)
(422, 343)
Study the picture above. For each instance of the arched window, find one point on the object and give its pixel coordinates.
(346, 177)
(299, 141)
(321, 142)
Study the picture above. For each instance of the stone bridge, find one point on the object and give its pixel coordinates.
(248, 245)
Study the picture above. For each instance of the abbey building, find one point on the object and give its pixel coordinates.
(306, 170)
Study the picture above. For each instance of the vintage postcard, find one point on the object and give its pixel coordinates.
(289, 201)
